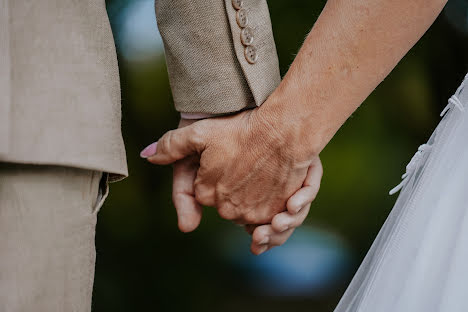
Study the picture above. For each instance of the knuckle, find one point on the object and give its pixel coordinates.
(293, 206)
(169, 142)
(277, 224)
(165, 143)
(198, 180)
(263, 232)
(162, 144)
(265, 214)
(203, 197)
(250, 217)
(227, 213)
(258, 236)
(197, 135)
(199, 188)
(202, 189)
(177, 197)
(285, 222)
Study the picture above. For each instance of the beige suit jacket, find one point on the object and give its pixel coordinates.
(209, 59)
(59, 83)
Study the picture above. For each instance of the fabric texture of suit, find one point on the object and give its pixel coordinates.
(59, 85)
(208, 71)
(47, 226)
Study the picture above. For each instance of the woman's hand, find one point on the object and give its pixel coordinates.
(265, 237)
(250, 165)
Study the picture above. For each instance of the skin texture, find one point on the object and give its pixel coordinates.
(265, 237)
(255, 175)
(251, 163)
(352, 47)
(189, 211)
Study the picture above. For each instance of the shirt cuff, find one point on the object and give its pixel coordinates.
(197, 115)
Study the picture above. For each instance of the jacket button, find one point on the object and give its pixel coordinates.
(237, 4)
(251, 55)
(247, 36)
(242, 18)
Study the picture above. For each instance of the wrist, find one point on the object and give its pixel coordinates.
(280, 117)
(286, 113)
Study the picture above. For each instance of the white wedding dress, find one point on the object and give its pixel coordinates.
(419, 260)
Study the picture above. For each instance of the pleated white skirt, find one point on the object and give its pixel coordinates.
(419, 260)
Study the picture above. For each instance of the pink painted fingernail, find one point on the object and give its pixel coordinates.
(150, 150)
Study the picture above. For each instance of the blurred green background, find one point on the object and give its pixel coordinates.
(145, 264)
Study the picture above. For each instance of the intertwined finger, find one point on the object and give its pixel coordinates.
(204, 193)
(265, 238)
(309, 190)
(189, 211)
(286, 220)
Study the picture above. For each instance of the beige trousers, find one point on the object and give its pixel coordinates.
(47, 229)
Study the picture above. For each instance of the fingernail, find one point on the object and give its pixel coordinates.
(150, 150)
(299, 208)
(285, 228)
(263, 249)
(264, 241)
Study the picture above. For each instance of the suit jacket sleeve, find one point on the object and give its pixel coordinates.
(221, 55)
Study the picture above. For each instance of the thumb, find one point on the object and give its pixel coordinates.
(175, 145)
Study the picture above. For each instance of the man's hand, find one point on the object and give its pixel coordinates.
(248, 168)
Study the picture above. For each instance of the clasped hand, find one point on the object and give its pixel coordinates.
(246, 166)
